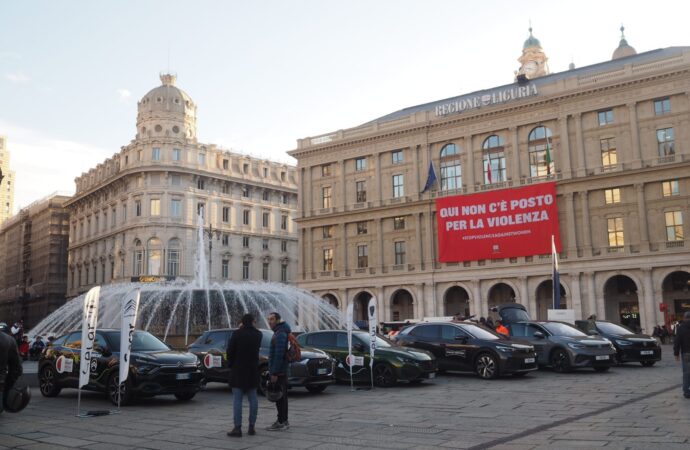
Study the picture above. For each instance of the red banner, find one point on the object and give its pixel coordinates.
(498, 224)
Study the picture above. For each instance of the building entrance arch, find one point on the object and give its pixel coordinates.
(456, 301)
(361, 303)
(402, 305)
(621, 301)
(676, 295)
(331, 300)
(501, 293)
(544, 297)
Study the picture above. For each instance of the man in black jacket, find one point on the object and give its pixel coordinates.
(243, 360)
(10, 362)
(681, 349)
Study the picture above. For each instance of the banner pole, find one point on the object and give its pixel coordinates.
(79, 402)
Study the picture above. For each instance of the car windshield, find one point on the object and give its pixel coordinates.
(562, 329)
(481, 333)
(612, 328)
(142, 341)
(380, 341)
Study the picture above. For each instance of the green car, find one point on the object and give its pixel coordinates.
(391, 363)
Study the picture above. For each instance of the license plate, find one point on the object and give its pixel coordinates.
(602, 357)
(432, 375)
(183, 376)
(647, 352)
(529, 360)
(323, 371)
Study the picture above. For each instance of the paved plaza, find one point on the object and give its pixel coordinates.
(628, 407)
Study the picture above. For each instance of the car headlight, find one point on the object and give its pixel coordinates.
(505, 349)
(574, 345)
(406, 360)
(623, 342)
(145, 368)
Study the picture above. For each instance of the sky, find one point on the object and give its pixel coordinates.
(266, 73)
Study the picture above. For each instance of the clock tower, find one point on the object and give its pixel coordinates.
(533, 62)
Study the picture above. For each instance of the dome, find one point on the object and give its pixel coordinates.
(623, 49)
(166, 110)
(531, 41)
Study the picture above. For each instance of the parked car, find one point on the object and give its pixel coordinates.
(558, 344)
(468, 347)
(630, 346)
(391, 363)
(155, 369)
(314, 372)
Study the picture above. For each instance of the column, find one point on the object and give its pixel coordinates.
(343, 300)
(345, 269)
(468, 170)
(591, 295)
(565, 166)
(428, 255)
(635, 136)
(418, 238)
(385, 313)
(570, 225)
(582, 160)
(379, 189)
(516, 154)
(524, 297)
(477, 299)
(309, 190)
(647, 304)
(382, 259)
(417, 187)
(586, 231)
(309, 250)
(576, 299)
(642, 216)
(420, 307)
(343, 192)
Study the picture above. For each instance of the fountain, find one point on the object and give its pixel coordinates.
(183, 309)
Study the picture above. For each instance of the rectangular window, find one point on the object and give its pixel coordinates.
(326, 196)
(670, 188)
(283, 198)
(283, 246)
(245, 217)
(608, 152)
(399, 253)
(202, 159)
(201, 184)
(139, 155)
(226, 214)
(397, 156)
(265, 172)
(615, 231)
(176, 207)
(360, 164)
(283, 272)
(662, 106)
(155, 207)
(605, 117)
(283, 176)
(175, 179)
(361, 187)
(361, 228)
(137, 208)
(326, 170)
(245, 168)
(245, 241)
(201, 209)
(265, 219)
(245, 191)
(124, 211)
(226, 164)
(245, 270)
(666, 142)
(113, 218)
(362, 256)
(398, 223)
(173, 262)
(264, 272)
(225, 269)
(225, 239)
(156, 154)
(612, 196)
(226, 188)
(176, 154)
(138, 263)
(398, 186)
(327, 259)
(674, 225)
(265, 196)
(327, 231)
(264, 244)
(284, 222)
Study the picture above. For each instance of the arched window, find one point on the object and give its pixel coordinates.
(173, 259)
(494, 160)
(451, 169)
(154, 250)
(539, 144)
(138, 262)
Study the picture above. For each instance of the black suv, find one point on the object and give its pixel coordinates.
(314, 372)
(630, 346)
(468, 347)
(155, 369)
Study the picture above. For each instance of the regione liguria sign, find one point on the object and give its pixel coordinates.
(503, 223)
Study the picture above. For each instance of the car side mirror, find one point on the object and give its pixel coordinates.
(539, 335)
(461, 339)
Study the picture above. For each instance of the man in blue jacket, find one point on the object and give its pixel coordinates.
(278, 367)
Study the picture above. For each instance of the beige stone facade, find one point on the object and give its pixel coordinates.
(619, 138)
(7, 183)
(136, 213)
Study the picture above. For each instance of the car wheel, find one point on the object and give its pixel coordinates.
(185, 396)
(316, 389)
(602, 369)
(486, 366)
(383, 375)
(560, 361)
(647, 363)
(116, 390)
(263, 380)
(47, 382)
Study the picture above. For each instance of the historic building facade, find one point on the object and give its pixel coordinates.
(136, 214)
(6, 182)
(33, 260)
(614, 136)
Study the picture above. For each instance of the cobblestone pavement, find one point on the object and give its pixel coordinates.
(629, 407)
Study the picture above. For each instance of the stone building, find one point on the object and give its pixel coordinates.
(614, 136)
(7, 182)
(136, 213)
(33, 261)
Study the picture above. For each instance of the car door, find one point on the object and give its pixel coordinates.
(216, 345)
(59, 353)
(72, 350)
(541, 344)
(100, 365)
(425, 337)
(456, 346)
(525, 332)
(359, 349)
(326, 341)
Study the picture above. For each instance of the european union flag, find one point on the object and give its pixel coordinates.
(430, 179)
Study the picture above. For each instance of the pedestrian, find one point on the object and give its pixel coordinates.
(10, 361)
(500, 328)
(37, 347)
(18, 332)
(24, 348)
(490, 323)
(278, 368)
(243, 361)
(482, 321)
(681, 350)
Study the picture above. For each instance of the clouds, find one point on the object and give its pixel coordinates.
(18, 77)
(124, 95)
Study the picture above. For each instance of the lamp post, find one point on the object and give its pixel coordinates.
(209, 233)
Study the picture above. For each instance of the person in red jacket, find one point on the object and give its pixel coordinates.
(500, 328)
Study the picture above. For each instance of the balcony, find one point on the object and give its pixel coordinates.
(675, 244)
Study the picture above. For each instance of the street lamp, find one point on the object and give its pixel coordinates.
(209, 233)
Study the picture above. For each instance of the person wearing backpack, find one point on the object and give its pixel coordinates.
(278, 365)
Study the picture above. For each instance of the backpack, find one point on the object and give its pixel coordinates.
(294, 352)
